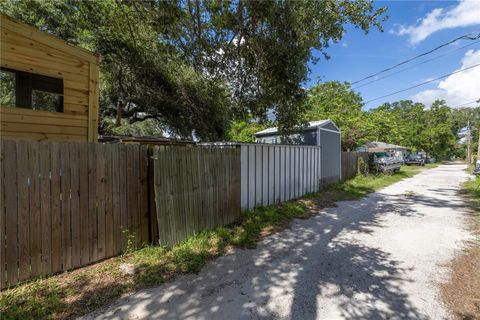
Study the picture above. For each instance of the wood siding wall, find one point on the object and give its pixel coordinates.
(66, 204)
(27, 49)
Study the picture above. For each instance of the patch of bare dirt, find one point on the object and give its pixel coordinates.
(462, 293)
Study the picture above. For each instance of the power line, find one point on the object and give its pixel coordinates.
(423, 83)
(466, 103)
(408, 68)
(468, 36)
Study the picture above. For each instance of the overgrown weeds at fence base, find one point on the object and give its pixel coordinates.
(81, 291)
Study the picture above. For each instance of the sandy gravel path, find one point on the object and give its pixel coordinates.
(381, 257)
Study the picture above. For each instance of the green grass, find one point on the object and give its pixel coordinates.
(361, 185)
(471, 189)
(74, 293)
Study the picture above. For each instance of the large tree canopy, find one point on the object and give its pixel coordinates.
(336, 101)
(195, 65)
(433, 129)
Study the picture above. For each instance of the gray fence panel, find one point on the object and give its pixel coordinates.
(244, 176)
(258, 176)
(251, 176)
(276, 173)
(330, 156)
(271, 191)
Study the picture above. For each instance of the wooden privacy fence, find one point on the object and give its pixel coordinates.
(276, 173)
(65, 205)
(195, 188)
(350, 163)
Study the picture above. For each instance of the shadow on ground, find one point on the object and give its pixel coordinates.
(284, 276)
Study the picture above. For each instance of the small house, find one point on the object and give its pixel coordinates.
(322, 133)
(49, 88)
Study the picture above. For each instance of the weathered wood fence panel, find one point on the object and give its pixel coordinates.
(349, 165)
(350, 162)
(66, 204)
(195, 189)
(276, 173)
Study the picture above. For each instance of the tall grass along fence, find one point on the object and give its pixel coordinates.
(66, 205)
(351, 162)
(195, 189)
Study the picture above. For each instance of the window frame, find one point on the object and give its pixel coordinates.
(27, 82)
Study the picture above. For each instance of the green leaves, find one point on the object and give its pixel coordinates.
(336, 101)
(403, 122)
(195, 65)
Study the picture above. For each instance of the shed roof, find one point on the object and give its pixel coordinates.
(311, 125)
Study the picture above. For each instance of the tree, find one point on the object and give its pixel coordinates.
(437, 137)
(244, 131)
(194, 65)
(408, 121)
(338, 102)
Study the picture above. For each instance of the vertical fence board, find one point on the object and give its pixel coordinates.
(244, 175)
(143, 194)
(66, 205)
(116, 218)
(251, 176)
(135, 189)
(123, 190)
(11, 212)
(45, 208)
(35, 213)
(75, 206)
(108, 201)
(131, 197)
(23, 215)
(2, 218)
(55, 187)
(83, 204)
(92, 202)
(100, 193)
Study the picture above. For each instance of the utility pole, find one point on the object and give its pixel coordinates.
(469, 151)
(478, 150)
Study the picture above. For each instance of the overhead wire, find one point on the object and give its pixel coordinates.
(420, 63)
(423, 83)
(468, 36)
(466, 103)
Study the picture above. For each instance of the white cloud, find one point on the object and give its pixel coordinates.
(465, 13)
(458, 88)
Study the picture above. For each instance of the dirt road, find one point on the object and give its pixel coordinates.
(377, 258)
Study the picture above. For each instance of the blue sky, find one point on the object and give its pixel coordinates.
(413, 27)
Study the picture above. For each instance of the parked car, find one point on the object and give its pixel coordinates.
(414, 159)
(476, 170)
(382, 162)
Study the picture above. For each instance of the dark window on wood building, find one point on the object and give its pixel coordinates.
(32, 91)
